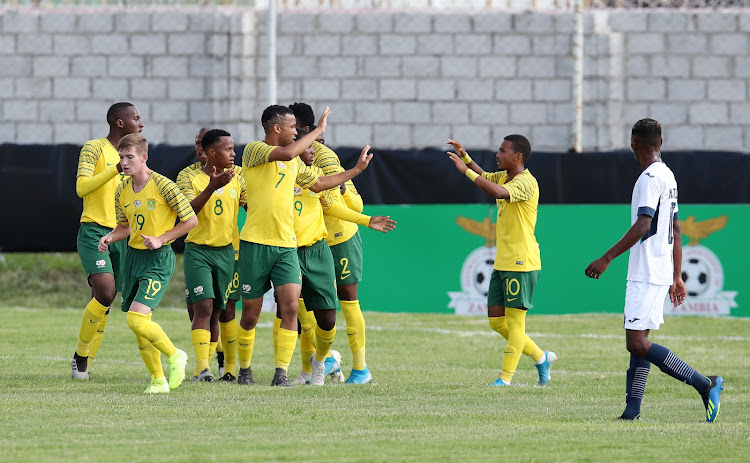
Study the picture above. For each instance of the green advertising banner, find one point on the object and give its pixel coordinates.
(440, 257)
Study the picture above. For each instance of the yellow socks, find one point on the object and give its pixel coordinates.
(96, 341)
(245, 344)
(355, 330)
(229, 340)
(219, 345)
(151, 357)
(201, 341)
(275, 338)
(307, 337)
(325, 341)
(142, 325)
(212, 349)
(92, 315)
(286, 342)
(516, 319)
(529, 347)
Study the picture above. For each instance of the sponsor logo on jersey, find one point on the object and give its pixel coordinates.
(219, 191)
(187, 292)
(198, 290)
(297, 191)
(281, 165)
(246, 288)
(101, 263)
(137, 203)
(151, 205)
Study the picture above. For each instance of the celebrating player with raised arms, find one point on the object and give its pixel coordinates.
(216, 192)
(268, 245)
(518, 260)
(147, 205)
(99, 173)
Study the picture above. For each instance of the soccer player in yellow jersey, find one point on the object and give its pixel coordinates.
(99, 173)
(518, 261)
(318, 270)
(346, 247)
(215, 194)
(147, 206)
(268, 244)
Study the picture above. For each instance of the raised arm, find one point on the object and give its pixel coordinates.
(491, 188)
(332, 181)
(634, 233)
(461, 152)
(291, 151)
(217, 181)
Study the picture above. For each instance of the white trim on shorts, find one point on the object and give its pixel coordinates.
(644, 305)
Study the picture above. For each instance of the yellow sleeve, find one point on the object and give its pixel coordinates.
(326, 159)
(521, 188)
(185, 184)
(120, 214)
(256, 153)
(86, 181)
(176, 200)
(352, 198)
(306, 177)
(336, 209)
(241, 182)
(495, 177)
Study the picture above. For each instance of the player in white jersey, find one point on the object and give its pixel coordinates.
(654, 269)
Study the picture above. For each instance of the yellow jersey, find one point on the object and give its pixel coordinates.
(153, 210)
(96, 181)
(217, 220)
(338, 230)
(517, 248)
(270, 195)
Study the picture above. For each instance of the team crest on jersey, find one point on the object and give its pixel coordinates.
(219, 191)
(100, 263)
(198, 290)
(297, 191)
(702, 272)
(246, 288)
(233, 193)
(137, 203)
(281, 165)
(151, 205)
(312, 193)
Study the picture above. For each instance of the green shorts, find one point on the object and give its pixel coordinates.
(147, 275)
(318, 276)
(512, 289)
(232, 293)
(261, 264)
(93, 261)
(208, 273)
(347, 257)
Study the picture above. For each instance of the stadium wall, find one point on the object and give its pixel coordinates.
(396, 80)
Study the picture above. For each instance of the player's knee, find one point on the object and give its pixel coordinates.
(637, 347)
(347, 292)
(248, 320)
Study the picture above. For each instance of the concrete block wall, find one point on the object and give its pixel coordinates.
(393, 80)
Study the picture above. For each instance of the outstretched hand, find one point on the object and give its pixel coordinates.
(219, 179)
(382, 223)
(324, 119)
(460, 150)
(460, 165)
(364, 159)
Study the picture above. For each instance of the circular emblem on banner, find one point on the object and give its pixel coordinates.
(701, 271)
(477, 270)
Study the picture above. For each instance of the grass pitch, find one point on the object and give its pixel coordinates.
(430, 399)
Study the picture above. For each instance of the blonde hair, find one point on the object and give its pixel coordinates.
(133, 139)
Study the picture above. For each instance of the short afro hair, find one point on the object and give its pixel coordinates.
(212, 137)
(521, 145)
(115, 111)
(647, 131)
(273, 115)
(304, 114)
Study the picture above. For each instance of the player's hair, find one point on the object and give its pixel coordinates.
(133, 139)
(202, 131)
(273, 115)
(212, 137)
(301, 133)
(304, 114)
(647, 131)
(520, 145)
(116, 110)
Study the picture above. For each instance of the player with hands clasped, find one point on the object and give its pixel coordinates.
(518, 261)
(654, 270)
